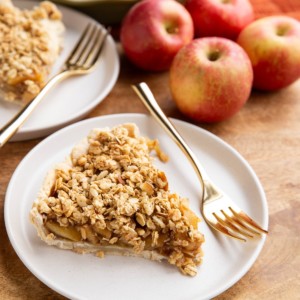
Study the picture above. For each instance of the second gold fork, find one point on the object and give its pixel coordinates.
(82, 60)
(218, 210)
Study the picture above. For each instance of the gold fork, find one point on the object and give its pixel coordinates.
(81, 60)
(218, 210)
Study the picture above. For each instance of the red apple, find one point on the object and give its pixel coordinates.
(273, 45)
(211, 79)
(153, 31)
(222, 18)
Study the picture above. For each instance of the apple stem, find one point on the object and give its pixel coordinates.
(213, 55)
(282, 30)
(171, 29)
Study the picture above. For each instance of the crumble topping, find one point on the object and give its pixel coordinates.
(114, 195)
(29, 45)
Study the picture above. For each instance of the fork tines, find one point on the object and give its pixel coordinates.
(89, 46)
(237, 224)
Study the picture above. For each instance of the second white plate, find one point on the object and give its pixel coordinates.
(88, 277)
(75, 97)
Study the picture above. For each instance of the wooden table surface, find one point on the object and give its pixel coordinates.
(266, 132)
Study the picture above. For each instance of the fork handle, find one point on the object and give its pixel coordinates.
(149, 101)
(10, 128)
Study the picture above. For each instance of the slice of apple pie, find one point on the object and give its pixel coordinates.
(30, 42)
(108, 197)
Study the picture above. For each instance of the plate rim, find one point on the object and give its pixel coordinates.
(27, 133)
(41, 277)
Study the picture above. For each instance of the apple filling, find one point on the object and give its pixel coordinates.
(112, 195)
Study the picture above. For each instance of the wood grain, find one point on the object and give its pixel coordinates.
(266, 132)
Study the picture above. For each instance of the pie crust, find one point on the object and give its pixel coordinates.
(30, 42)
(108, 197)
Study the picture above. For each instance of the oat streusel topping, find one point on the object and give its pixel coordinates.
(114, 195)
(30, 41)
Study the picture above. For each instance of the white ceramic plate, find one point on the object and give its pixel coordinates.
(75, 97)
(88, 277)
